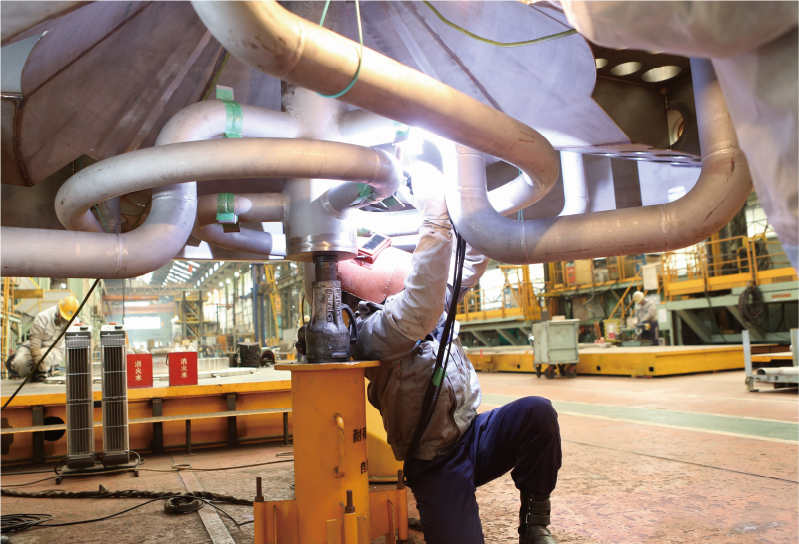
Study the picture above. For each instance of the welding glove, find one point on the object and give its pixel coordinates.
(36, 353)
(428, 193)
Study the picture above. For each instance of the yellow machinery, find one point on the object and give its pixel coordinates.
(274, 302)
(332, 502)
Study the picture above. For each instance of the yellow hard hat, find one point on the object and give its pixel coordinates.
(67, 307)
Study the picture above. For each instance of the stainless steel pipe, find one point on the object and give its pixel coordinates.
(268, 38)
(722, 189)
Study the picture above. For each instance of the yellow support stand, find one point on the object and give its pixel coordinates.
(331, 469)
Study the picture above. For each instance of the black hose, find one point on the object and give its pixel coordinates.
(444, 348)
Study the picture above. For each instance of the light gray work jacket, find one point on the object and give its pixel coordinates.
(400, 333)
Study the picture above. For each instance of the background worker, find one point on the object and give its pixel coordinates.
(44, 331)
(646, 318)
(459, 450)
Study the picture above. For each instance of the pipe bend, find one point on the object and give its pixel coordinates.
(247, 240)
(721, 190)
(268, 38)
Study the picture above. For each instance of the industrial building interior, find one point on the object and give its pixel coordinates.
(204, 204)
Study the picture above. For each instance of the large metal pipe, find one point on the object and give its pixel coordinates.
(96, 254)
(215, 159)
(268, 38)
(721, 190)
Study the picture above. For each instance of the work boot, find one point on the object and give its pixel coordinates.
(534, 519)
(38, 376)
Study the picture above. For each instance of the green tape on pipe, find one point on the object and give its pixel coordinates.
(234, 118)
(364, 192)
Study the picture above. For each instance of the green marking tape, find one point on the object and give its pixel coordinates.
(234, 117)
(364, 192)
(225, 213)
(439, 376)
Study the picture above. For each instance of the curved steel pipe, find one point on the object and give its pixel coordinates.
(720, 192)
(268, 38)
(247, 240)
(215, 159)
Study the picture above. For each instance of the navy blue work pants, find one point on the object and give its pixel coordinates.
(523, 436)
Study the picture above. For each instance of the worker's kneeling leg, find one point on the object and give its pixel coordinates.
(523, 436)
(444, 491)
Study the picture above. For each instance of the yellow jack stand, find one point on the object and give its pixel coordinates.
(331, 470)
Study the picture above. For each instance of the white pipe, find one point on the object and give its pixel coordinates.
(575, 193)
(268, 38)
(721, 190)
(779, 371)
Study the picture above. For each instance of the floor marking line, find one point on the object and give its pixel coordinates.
(680, 461)
(658, 424)
(211, 520)
(689, 428)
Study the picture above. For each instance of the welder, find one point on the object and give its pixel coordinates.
(43, 333)
(646, 318)
(459, 449)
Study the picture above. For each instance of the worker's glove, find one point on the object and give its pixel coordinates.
(36, 353)
(428, 192)
(648, 326)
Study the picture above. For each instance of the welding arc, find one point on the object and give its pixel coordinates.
(36, 366)
(445, 344)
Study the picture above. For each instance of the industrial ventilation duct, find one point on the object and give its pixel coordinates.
(115, 395)
(80, 404)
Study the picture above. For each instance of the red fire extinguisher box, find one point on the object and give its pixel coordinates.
(182, 368)
(140, 370)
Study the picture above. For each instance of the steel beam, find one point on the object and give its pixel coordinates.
(696, 325)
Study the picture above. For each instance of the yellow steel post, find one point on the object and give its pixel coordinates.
(329, 411)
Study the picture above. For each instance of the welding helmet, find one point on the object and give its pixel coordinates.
(67, 307)
(638, 296)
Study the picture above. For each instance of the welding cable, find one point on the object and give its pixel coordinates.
(498, 44)
(18, 523)
(63, 331)
(444, 347)
(104, 492)
(751, 306)
(174, 469)
(681, 461)
(360, 53)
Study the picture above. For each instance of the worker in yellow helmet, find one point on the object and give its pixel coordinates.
(45, 330)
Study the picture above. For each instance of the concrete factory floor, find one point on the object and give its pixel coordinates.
(685, 459)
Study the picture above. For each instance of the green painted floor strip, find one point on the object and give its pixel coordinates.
(731, 425)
